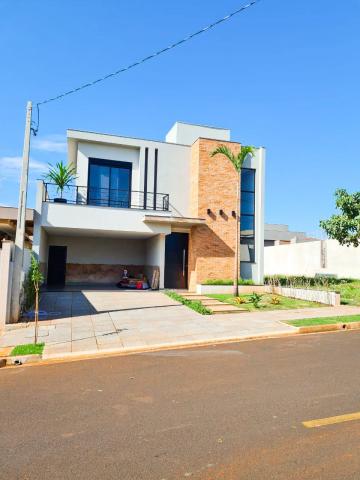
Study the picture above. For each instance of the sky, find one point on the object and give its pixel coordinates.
(283, 74)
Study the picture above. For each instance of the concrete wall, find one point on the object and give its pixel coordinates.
(325, 257)
(6, 268)
(173, 163)
(187, 133)
(91, 218)
(107, 152)
(155, 257)
(91, 250)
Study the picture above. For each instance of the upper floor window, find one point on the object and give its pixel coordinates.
(109, 183)
(247, 215)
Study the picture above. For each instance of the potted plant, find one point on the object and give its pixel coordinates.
(61, 175)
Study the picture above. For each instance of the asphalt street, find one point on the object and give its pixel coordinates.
(233, 411)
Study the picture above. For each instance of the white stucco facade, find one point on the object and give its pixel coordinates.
(106, 235)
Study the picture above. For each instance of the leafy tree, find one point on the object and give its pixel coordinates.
(37, 279)
(62, 175)
(237, 161)
(345, 226)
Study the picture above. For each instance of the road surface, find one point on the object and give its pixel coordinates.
(231, 412)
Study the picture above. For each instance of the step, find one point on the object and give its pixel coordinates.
(226, 309)
(195, 297)
(211, 302)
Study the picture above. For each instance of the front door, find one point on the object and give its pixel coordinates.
(176, 260)
(56, 265)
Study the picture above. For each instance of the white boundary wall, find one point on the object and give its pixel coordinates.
(319, 296)
(325, 257)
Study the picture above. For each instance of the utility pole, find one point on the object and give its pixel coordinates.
(20, 224)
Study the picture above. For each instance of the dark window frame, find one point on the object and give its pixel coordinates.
(245, 240)
(112, 164)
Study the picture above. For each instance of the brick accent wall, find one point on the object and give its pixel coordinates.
(214, 186)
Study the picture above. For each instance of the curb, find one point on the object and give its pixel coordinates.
(330, 327)
(19, 360)
(96, 354)
(33, 360)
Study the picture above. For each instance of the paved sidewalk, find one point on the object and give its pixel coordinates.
(96, 321)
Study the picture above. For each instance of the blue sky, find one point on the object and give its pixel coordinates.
(283, 74)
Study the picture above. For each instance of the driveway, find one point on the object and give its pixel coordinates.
(90, 321)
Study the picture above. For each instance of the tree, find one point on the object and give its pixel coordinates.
(344, 227)
(37, 279)
(237, 161)
(62, 175)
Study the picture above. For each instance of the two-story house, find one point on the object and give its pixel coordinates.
(147, 205)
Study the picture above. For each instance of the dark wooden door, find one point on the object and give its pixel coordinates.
(56, 265)
(176, 260)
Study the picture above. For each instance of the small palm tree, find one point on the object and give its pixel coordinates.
(237, 161)
(62, 175)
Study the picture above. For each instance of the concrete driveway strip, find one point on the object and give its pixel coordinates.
(233, 411)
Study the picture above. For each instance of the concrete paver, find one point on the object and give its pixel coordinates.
(125, 321)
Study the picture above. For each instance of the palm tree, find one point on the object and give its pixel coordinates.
(62, 175)
(237, 161)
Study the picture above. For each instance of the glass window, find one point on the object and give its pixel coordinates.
(247, 203)
(247, 226)
(247, 219)
(109, 183)
(248, 179)
(247, 250)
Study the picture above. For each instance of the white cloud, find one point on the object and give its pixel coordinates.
(51, 143)
(10, 167)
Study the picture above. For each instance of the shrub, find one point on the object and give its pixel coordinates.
(302, 281)
(195, 305)
(255, 299)
(29, 290)
(226, 281)
(239, 300)
(275, 301)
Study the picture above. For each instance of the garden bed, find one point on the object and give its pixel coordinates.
(268, 301)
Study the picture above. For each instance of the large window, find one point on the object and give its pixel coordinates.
(109, 183)
(247, 219)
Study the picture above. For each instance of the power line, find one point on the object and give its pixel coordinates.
(143, 60)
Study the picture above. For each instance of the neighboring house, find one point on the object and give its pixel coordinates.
(8, 221)
(279, 234)
(148, 206)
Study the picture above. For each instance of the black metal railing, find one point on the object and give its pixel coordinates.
(106, 197)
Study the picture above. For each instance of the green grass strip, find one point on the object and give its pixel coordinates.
(307, 322)
(28, 349)
(193, 304)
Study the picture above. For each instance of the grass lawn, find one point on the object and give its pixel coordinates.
(265, 303)
(193, 304)
(306, 322)
(350, 292)
(28, 349)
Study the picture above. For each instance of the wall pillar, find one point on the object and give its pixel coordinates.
(6, 267)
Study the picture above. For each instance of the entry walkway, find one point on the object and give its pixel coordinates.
(91, 321)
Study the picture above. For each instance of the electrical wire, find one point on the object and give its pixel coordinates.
(139, 62)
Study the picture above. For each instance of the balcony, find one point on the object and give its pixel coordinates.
(104, 197)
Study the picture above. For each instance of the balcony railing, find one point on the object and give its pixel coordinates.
(105, 197)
